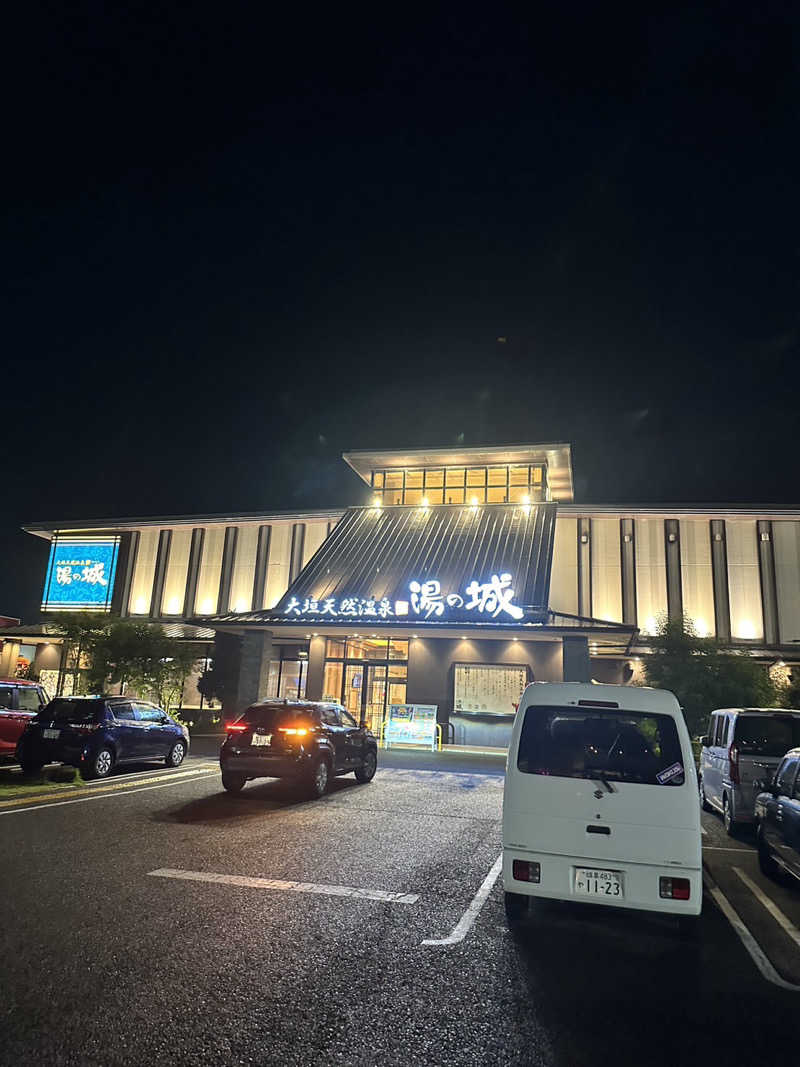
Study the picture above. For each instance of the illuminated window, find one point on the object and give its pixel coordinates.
(413, 496)
(413, 480)
(454, 496)
(435, 496)
(536, 475)
(498, 476)
(476, 494)
(394, 479)
(476, 476)
(377, 479)
(519, 494)
(496, 494)
(518, 475)
(454, 476)
(334, 648)
(434, 479)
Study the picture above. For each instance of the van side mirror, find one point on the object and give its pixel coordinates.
(705, 740)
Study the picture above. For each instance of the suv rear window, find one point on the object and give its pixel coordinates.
(767, 735)
(622, 746)
(79, 711)
(272, 718)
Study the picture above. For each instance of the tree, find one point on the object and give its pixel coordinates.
(703, 675)
(79, 630)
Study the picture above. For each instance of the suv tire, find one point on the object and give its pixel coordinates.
(100, 764)
(233, 783)
(516, 905)
(31, 767)
(704, 804)
(319, 777)
(766, 860)
(366, 772)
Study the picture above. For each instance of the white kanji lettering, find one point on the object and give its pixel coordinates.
(311, 605)
(348, 606)
(293, 606)
(385, 608)
(64, 575)
(329, 607)
(93, 574)
(493, 597)
(427, 597)
(367, 607)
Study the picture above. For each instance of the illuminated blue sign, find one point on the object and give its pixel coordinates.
(80, 574)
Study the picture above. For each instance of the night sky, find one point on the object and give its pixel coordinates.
(236, 248)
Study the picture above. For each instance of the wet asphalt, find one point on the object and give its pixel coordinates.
(103, 963)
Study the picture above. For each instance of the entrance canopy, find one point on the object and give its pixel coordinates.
(452, 565)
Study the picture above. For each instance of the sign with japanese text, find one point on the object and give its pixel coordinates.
(488, 689)
(410, 724)
(80, 574)
(425, 600)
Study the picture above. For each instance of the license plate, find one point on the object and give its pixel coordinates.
(261, 739)
(594, 883)
(51, 735)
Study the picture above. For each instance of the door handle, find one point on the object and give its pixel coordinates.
(592, 828)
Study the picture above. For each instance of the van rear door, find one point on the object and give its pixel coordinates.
(761, 740)
(604, 784)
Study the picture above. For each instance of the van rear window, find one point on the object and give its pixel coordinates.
(767, 735)
(621, 746)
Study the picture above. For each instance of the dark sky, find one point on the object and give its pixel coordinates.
(236, 248)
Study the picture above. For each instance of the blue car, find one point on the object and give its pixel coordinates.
(97, 733)
(778, 819)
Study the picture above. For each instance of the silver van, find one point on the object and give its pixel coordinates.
(742, 745)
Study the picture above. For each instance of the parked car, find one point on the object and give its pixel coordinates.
(742, 744)
(97, 733)
(777, 814)
(599, 804)
(306, 741)
(20, 700)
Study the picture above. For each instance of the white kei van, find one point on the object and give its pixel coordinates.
(600, 803)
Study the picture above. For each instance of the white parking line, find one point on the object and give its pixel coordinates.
(45, 805)
(288, 887)
(467, 920)
(783, 920)
(756, 952)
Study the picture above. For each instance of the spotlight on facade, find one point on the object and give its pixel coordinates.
(474, 501)
(526, 500)
(425, 502)
(376, 502)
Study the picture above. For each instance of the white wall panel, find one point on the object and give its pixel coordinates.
(144, 572)
(177, 566)
(205, 601)
(316, 532)
(564, 576)
(244, 569)
(280, 548)
(697, 578)
(744, 581)
(606, 570)
(651, 573)
(786, 542)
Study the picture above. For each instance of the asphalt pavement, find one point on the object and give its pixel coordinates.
(168, 922)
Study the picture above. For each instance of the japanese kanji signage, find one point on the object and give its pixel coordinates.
(425, 600)
(80, 574)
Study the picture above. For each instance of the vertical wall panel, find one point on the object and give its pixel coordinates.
(244, 570)
(564, 575)
(744, 580)
(278, 566)
(144, 572)
(697, 579)
(606, 570)
(316, 532)
(786, 539)
(205, 601)
(651, 574)
(177, 566)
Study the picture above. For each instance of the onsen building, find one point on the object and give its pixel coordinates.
(462, 575)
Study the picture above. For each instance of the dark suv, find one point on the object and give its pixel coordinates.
(304, 740)
(96, 733)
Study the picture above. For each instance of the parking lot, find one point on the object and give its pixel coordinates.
(154, 917)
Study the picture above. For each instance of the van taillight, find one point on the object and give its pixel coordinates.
(674, 888)
(526, 871)
(733, 759)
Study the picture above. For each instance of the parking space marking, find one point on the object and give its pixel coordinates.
(783, 920)
(287, 887)
(467, 920)
(122, 790)
(754, 949)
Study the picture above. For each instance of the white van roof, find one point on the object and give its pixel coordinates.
(593, 694)
(756, 711)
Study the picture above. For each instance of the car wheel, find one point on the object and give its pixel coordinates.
(727, 818)
(99, 766)
(30, 767)
(176, 754)
(516, 905)
(765, 859)
(319, 777)
(704, 804)
(233, 783)
(366, 772)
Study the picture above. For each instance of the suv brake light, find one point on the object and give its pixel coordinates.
(298, 731)
(733, 759)
(235, 727)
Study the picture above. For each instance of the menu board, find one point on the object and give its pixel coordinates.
(411, 724)
(481, 689)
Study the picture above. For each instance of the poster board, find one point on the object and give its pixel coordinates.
(411, 724)
(488, 689)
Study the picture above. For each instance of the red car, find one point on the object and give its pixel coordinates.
(20, 700)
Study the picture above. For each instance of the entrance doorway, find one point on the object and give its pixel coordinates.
(363, 686)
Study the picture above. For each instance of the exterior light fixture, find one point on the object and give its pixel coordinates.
(474, 502)
(526, 500)
(414, 636)
(377, 502)
(425, 502)
(307, 636)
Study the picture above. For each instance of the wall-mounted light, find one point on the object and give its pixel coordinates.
(376, 502)
(425, 502)
(584, 539)
(474, 501)
(526, 500)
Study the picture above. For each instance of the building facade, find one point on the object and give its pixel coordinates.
(462, 575)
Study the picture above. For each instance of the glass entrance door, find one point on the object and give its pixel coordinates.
(374, 697)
